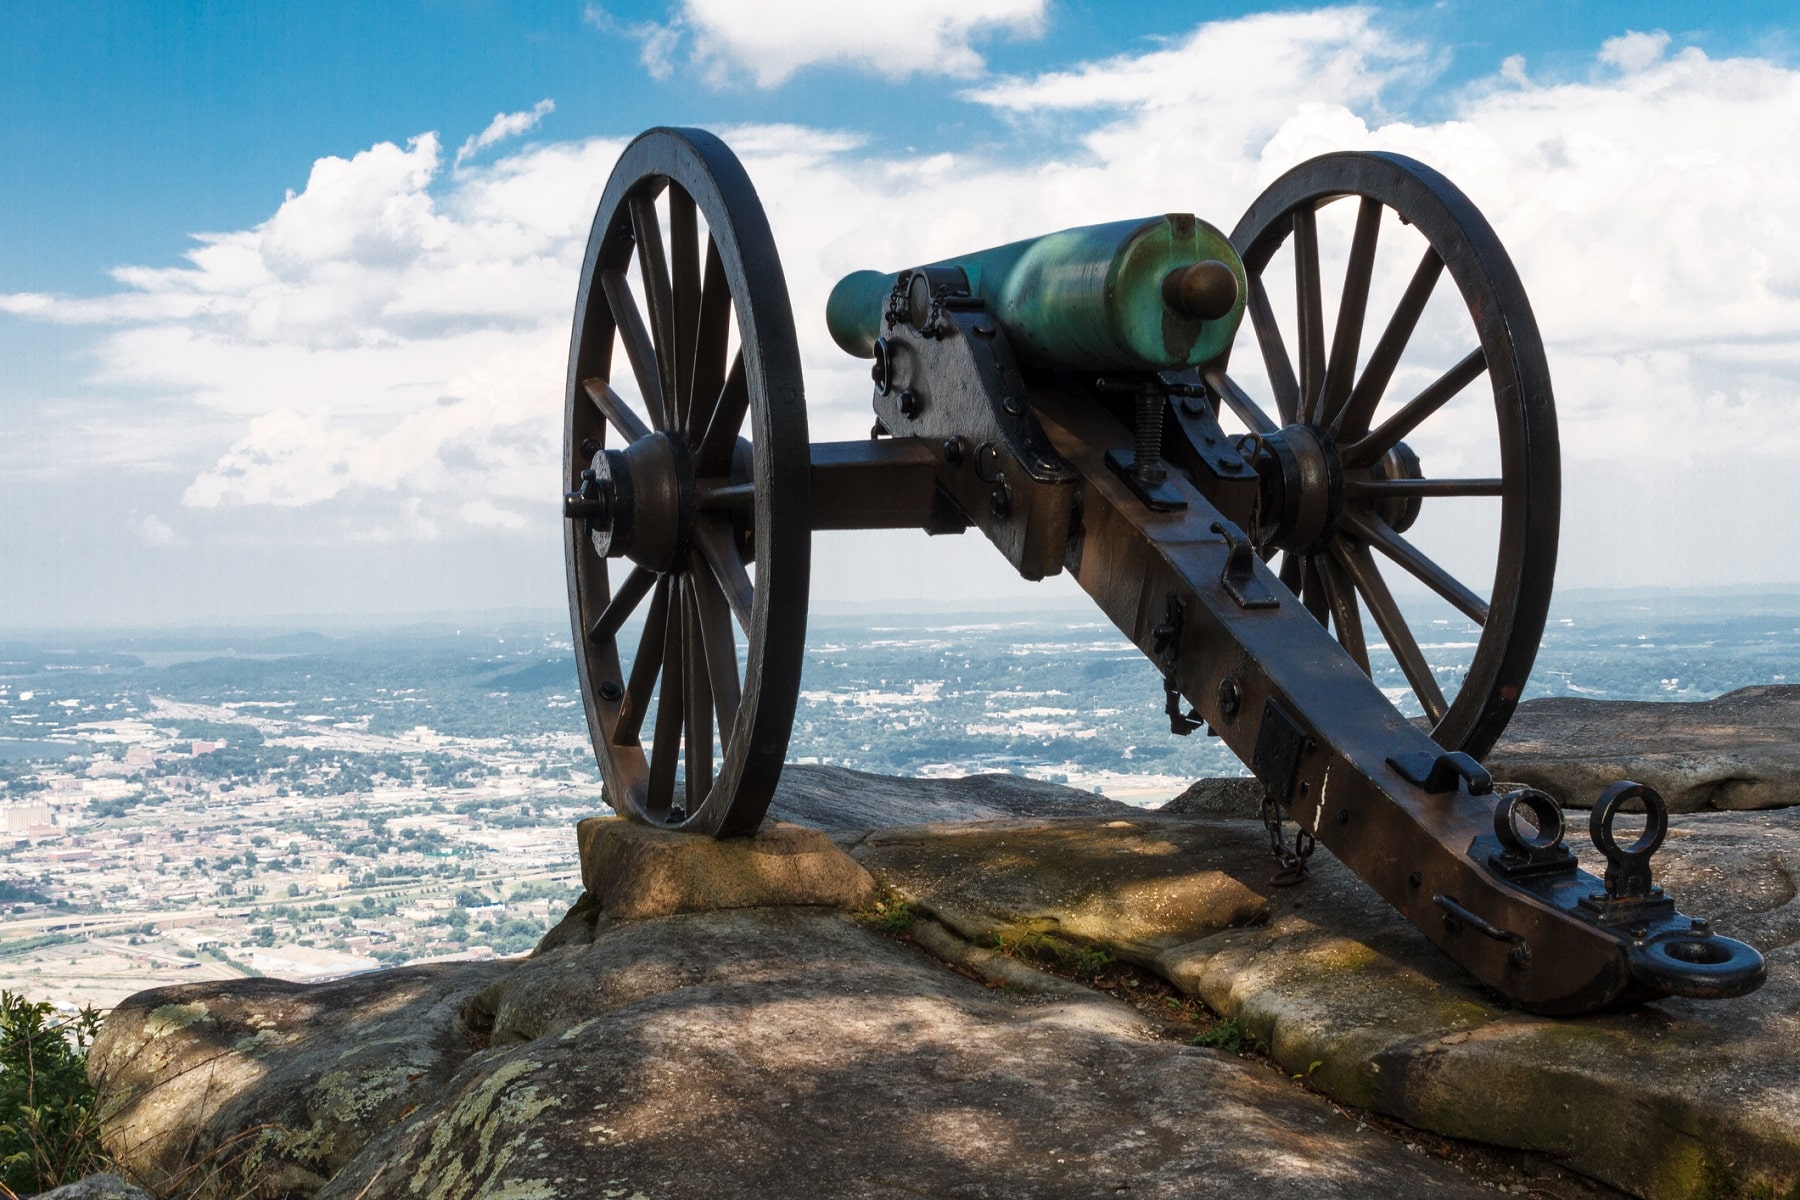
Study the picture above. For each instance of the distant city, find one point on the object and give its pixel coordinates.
(184, 805)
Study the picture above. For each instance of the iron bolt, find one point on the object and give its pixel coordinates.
(1700, 925)
(910, 404)
(589, 447)
(1000, 499)
(1013, 404)
(586, 502)
(1191, 406)
(953, 451)
(1230, 697)
(610, 690)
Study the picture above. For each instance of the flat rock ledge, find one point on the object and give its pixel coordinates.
(1677, 1099)
(781, 1047)
(1734, 753)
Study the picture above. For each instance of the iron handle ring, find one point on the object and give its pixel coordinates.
(1628, 867)
(1512, 835)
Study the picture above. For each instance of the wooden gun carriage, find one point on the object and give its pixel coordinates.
(1070, 396)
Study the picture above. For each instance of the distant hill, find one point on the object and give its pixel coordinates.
(557, 673)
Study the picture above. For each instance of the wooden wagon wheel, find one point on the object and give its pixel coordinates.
(1338, 428)
(704, 515)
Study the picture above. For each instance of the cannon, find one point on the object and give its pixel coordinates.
(1088, 401)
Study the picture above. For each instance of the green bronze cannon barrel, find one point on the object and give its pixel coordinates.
(1153, 294)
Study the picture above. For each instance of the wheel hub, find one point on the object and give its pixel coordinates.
(1302, 482)
(1399, 463)
(639, 502)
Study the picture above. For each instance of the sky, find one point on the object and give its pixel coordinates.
(285, 289)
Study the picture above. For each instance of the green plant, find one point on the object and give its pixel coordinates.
(890, 914)
(1087, 959)
(1036, 944)
(49, 1132)
(1230, 1036)
(1023, 943)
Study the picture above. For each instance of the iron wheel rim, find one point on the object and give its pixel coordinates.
(1512, 360)
(691, 170)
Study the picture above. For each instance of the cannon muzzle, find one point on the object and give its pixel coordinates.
(1154, 294)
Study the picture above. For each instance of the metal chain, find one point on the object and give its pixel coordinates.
(1290, 860)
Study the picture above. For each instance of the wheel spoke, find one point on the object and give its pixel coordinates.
(1341, 596)
(665, 753)
(1274, 353)
(1359, 409)
(716, 447)
(697, 698)
(725, 499)
(653, 270)
(1346, 341)
(711, 340)
(684, 280)
(1292, 576)
(1313, 592)
(612, 406)
(1312, 313)
(715, 538)
(638, 346)
(1246, 409)
(636, 586)
(721, 648)
(1441, 391)
(1362, 571)
(644, 669)
(1373, 530)
(1397, 489)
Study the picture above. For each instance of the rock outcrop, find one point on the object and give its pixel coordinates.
(777, 1051)
(707, 1021)
(1738, 752)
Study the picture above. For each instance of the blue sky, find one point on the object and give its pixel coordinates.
(163, 418)
(133, 125)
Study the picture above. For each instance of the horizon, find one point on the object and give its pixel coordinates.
(1077, 609)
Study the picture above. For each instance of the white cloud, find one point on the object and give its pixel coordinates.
(371, 337)
(502, 127)
(772, 41)
(151, 529)
(1634, 51)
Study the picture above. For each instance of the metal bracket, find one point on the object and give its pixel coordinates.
(1239, 576)
(1279, 745)
(1444, 772)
